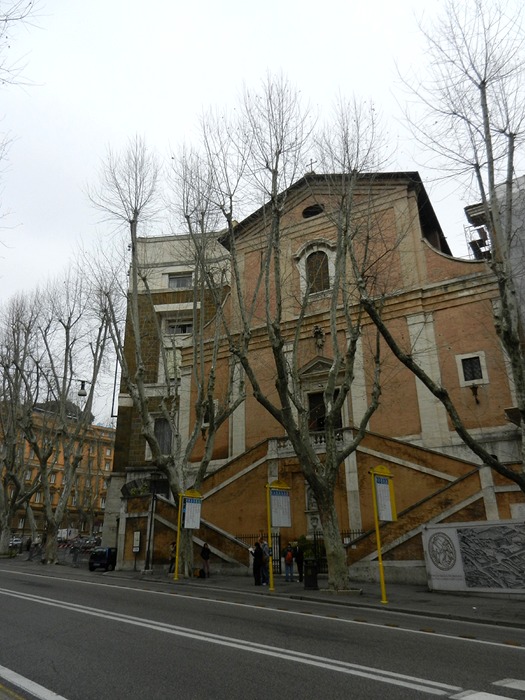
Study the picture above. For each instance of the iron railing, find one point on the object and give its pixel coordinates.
(275, 545)
(316, 542)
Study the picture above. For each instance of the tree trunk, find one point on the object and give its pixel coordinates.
(50, 549)
(338, 579)
(186, 553)
(5, 535)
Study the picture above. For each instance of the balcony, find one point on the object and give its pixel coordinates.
(282, 447)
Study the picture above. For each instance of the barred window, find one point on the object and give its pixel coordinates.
(471, 368)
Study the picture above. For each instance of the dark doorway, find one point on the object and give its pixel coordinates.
(317, 412)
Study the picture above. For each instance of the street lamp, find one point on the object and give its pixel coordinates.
(148, 565)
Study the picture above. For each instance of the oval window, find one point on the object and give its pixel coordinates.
(312, 210)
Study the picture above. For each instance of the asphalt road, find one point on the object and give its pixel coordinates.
(82, 635)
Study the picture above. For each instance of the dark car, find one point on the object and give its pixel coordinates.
(103, 558)
(88, 543)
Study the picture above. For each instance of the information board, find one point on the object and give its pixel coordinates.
(280, 508)
(191, 512)
(136, 541)
(384, 502)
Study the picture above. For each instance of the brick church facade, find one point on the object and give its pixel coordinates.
(439, 306)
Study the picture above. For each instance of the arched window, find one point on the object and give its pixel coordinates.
(317, 275)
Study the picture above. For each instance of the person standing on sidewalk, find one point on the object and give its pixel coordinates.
(265, 567)
(75, 551)
(299, 560)
(288, 563)
(257, 555)
(172, 555)
(205, 556)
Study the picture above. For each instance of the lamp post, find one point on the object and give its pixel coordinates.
(148, 565)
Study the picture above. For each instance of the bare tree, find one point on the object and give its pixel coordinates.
(256, 158)
(129, 193)
(64, 345)
(12, 14)
(473, 119)
(17, 333)
(88, 484)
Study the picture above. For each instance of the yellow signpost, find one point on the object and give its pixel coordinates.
(278, 514)
(384, 509)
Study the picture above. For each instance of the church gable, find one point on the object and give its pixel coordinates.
(319, 366)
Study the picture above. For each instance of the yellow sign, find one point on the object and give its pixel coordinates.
(384, 509)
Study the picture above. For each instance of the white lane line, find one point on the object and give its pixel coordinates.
(29, 686)
(474, 695)
(513, 683)
(392, 678)
(279, 611)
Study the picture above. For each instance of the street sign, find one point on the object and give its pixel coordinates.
(385, 510)
(191, 510)
(384, 493)
(280, 505)
(136, 541)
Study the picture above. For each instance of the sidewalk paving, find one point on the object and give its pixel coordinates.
(506, 609)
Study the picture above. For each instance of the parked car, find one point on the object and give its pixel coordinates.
(103, 558)
(15, 542)
(91, 542)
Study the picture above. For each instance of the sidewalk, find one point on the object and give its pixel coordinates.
(506, 609)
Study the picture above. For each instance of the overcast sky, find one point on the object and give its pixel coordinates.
(97, 73)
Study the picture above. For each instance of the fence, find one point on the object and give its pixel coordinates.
(316, 541)
(275, 545)
(319, 549)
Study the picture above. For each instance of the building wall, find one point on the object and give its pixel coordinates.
(87, 502)
(437, 307)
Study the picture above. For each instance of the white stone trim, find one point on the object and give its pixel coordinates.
(484, 374)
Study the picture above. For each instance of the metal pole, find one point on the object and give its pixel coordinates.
(378, 540)
(179, 522)
(150, 532)
(269, 517)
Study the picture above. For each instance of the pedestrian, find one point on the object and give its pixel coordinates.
(172, 555)
(205, 556)
(75, 551)
(288, 563)
(265, 566)
(257, 554)
(299, 560)
(43, 548)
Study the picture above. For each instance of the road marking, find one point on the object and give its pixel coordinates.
(390, 677)
(474, 695)
(29, 686)
(281, 611)
(511, 683)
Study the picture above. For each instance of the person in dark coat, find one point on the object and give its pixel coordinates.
(257, 554)
(172, 555)
(205, 556)
(299, 560)
(265, 568)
